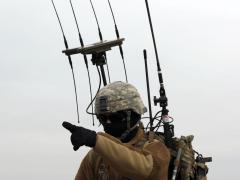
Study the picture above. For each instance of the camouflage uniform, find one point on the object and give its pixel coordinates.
(110, 159)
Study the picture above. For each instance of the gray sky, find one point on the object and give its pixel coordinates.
(198, 44)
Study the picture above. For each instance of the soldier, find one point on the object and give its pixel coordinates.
(124, 151)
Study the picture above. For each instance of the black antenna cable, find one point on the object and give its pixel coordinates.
(117, 34)
(99, 86)
(84, 56)
(69, 58)
(100, 36)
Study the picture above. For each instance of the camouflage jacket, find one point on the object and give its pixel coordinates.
(111, 159)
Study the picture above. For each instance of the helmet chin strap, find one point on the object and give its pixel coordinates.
(129, 128)
(126, 133)
(128, 120)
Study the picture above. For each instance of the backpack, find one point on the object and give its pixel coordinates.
(185, 163)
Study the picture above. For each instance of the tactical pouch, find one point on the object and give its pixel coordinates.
(189, 168)
(201, 170)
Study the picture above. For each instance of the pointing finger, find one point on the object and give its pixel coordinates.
(75, 148)
(69, 126)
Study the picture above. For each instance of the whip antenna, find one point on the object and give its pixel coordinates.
(148, 90)
(100, 36)
(69, 59)
(163, 101)
(84, 56)
(79, 34)
(117, 34)
(155, 46)
(95, 15)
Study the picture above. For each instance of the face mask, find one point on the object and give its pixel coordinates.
(114, 124)
(115, 129)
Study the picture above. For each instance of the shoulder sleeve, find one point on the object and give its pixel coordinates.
(161, 159)
(86, 170)
(127, 160)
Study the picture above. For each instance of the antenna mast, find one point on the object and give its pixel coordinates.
(163, 101)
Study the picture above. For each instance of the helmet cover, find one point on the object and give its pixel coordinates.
(118, 96)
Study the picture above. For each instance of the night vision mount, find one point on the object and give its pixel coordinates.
(98, 52)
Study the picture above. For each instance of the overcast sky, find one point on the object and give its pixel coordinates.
(198, 44)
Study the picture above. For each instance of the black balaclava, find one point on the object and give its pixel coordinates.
(115, 124)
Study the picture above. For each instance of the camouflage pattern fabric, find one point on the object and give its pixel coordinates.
(119, 96)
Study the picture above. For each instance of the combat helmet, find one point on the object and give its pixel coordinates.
(119, 96)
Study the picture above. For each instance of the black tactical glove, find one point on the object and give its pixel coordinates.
(80, 136)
